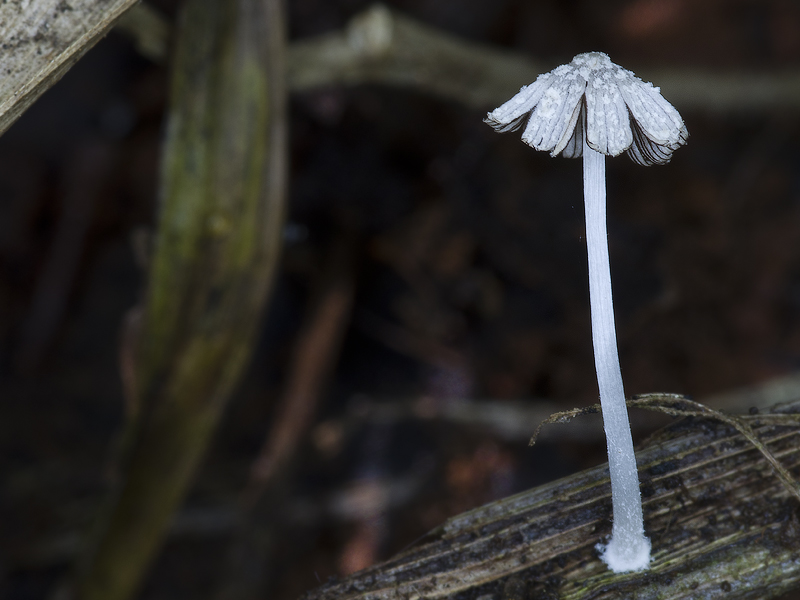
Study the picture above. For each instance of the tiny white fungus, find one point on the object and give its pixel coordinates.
(592, 107)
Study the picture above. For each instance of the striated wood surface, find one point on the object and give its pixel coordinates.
(40, 40)
(722, 526)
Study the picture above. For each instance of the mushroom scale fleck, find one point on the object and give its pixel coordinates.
(594, 108)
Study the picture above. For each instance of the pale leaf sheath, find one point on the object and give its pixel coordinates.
(40, 40)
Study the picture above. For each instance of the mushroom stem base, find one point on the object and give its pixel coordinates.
(629, 549)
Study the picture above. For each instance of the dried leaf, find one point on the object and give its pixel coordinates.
(41, 40)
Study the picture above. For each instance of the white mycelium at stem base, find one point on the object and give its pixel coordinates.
(629, 548)
(595, 108)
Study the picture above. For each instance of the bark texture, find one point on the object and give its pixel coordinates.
(722, 526)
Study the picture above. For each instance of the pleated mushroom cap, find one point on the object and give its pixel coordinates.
(619, 112)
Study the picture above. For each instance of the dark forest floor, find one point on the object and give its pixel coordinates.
(469, 276)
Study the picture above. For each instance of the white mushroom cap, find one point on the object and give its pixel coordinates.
(619, 111)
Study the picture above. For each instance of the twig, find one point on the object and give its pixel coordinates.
(674, 404)
(513, 420)
(57, 550)
(315, 354)
(720, 529)
(84, 178)
(779, 390)
(381, 46)
(680, 406)
(267, 492)
(406, 342)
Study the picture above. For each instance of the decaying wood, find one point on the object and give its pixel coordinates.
(382, 46)
(41, 40)
(721, 524)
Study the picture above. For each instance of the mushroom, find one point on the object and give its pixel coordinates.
(592, 107)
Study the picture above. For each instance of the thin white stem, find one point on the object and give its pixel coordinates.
(629, 548)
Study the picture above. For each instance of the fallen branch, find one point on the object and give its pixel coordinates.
(679, 406)
(514, 420)
(721, 523)
(313, 359)
(382, 46)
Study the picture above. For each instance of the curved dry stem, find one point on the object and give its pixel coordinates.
(677, 405)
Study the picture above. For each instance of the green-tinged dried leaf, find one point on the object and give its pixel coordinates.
(41, 40)
(223, 180)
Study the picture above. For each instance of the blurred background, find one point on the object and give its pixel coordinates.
(432, 302)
